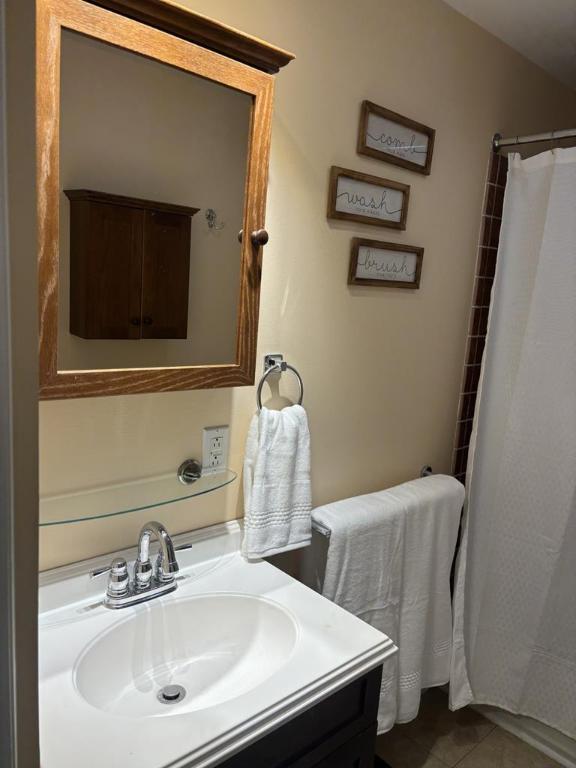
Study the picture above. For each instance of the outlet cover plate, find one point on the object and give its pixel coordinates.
(215, 449)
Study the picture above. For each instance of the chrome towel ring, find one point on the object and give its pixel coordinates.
(276, 364)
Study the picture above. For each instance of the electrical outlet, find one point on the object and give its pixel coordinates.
(216, 443)
(214, 449)
(215, 460)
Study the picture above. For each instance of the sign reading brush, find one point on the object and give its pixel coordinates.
(386, 265)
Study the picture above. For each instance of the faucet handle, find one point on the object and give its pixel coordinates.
(99, 571)
(166, 570)
(168, 573)
(118, 580)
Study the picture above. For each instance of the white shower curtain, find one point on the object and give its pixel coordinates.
(515, 602)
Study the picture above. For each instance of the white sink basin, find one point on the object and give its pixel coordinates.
(250, 646)
(217, 647)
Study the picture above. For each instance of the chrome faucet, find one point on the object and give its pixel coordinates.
(166, 565)
(149, 581)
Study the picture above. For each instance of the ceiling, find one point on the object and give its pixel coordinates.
(544, 31)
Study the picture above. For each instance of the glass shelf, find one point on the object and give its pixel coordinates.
(119, 499)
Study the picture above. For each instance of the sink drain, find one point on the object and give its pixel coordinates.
(171, 694)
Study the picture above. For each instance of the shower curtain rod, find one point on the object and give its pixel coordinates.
(498, 142)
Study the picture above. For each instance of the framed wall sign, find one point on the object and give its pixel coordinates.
(388, 265)
(395, 139)
(367, 199)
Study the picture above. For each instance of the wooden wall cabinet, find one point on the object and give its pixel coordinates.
(129, 267)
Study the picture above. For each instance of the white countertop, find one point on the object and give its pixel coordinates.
(331, 649)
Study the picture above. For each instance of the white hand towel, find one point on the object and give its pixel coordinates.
(389, 561)
(277, 494)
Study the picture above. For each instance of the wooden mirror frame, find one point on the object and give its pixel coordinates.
(170, 41)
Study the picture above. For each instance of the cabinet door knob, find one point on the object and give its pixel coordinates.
(135, 320)
(147, 320)
(258, 237)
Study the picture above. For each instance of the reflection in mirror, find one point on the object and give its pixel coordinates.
(152, 176)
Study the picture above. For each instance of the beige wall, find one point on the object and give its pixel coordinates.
(151, 131)
(381, 367)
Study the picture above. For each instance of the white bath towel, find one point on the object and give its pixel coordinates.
(389, 561)
(277, 494)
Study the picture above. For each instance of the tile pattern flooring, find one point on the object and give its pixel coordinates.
(439, 738)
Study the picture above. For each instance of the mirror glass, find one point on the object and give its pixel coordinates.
(152, 178)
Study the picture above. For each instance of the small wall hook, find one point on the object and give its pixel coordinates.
(212, 219)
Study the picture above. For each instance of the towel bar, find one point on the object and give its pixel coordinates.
(426, 471)
(277, 364)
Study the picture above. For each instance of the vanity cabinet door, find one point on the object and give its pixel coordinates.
(165, 275)
(105, 271)
(356, 753)
(338, 732)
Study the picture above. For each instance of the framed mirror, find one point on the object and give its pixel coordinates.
(153, 159)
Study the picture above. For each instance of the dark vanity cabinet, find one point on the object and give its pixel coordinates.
(129, 267)
(338, 732)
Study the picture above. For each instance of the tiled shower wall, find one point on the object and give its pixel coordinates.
(485, 268)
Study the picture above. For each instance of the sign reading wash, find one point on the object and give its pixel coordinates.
(368, 199)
